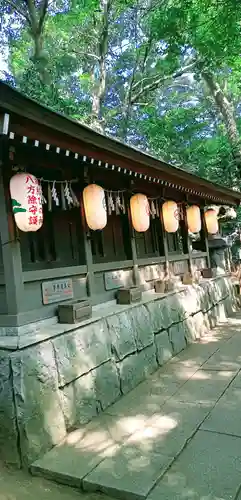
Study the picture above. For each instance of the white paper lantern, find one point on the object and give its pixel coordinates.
(170, 216)
(211, 220)
(95, 207)
(140, 212)
(194, 219)
(26, 195)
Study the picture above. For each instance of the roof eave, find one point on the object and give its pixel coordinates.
(14, 102)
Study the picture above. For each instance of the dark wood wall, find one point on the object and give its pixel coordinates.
(64, 247)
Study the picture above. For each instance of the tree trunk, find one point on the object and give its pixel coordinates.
(37, 25)
(35, 15)
(99, 89)
(126, 111)
(227, 112)
(127, 106)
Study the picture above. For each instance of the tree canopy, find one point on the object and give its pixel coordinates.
(162, 75)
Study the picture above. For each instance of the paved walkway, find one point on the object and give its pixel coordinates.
(19, 485)
(177, 436)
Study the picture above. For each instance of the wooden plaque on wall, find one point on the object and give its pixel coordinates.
(57, 290)
(113, 280)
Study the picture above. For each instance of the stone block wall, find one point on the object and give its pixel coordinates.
(50, 388)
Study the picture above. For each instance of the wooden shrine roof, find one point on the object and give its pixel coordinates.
(31, 120)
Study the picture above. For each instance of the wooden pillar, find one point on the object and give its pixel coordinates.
(11, 253)
(204, 228)
(90, 280)
(165, 245)
(136, 276)
(189, 247)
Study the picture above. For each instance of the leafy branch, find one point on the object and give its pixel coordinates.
(160, 80)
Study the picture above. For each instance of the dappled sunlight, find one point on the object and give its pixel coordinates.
(131, 424)
(93, 443)
(138, 463)
(75, 436)
(204, 387)
(175, 481)
(226, 364)
(227, 358)
(154, 432)
(103, 439)
(183, 373)
(212, 375)
(187, 363)
(201, 375)
(210, 338)
(183, 370)
(131, 461)
(163, 427)
(164, 421)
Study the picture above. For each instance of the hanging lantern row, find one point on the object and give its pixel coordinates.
(140, 215)
(126, 171)
(27, 203)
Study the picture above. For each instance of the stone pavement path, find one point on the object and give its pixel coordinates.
(176, 436)
(18, 485)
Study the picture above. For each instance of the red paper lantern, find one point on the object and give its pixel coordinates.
(26, 195)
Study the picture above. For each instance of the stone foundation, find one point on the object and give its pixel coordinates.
(55, 385)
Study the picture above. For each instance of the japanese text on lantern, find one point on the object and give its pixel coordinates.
(34, 200)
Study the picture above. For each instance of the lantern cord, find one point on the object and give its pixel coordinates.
(51, 181)
(115, 198)
(108, 191)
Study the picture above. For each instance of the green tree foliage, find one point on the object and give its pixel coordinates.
(163, 75)
(210, 31)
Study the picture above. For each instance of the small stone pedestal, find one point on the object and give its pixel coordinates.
(160, 286)
(129, 295)
(74, 312)
(207, 273)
